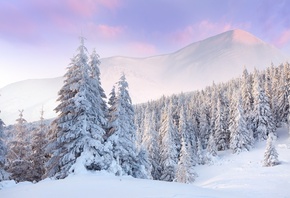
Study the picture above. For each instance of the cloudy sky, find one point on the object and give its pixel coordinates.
(38, 37)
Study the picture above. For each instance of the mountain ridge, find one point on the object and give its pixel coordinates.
(218, 58)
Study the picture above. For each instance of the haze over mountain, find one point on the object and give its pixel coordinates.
(218, 58)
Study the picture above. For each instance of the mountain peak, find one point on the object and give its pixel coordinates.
(241, 36)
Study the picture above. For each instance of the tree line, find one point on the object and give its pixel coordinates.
(160, 140)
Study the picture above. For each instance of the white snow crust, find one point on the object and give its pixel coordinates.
(232, 175)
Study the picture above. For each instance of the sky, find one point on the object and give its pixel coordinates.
(39, 37)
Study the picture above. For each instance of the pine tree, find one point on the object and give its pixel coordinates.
(38, 150)
(19, 150)
(240, 136)
(3, 151)
(123, 132)
(247, 98)
(263, 121)
(150, 142)
(97, 90)
(284, 93)
(204, 125)
(78, 130)
(188, 134)
(199, 153)
(270, 155)
(168, 147)
(185, 172)
(221, 128)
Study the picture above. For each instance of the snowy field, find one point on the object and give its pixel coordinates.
(231, 176)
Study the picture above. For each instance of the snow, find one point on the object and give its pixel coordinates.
(217, 58)
(232, 175)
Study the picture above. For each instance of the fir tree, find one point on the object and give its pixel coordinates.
(150, 142)
(248, 100)
(3, 151)
(97, 90)
(270, 155)
(78, 129)
(263, 121)
(284, 93)
(123, 132)
(188, 134)
(221, 128)
(19, 150)
(240, 137)
(185, 172)
(168, 147)
(38, 150)
(199, 153)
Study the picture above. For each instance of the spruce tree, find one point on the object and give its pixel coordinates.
(240, 136)
(168, 147)
(247, 98)
(270, 155)
(263, 120)
(185, 172)
(19, 151)
(221, 128)
(284, 93)
(38, 150)
(97, 90)
(78, 131)
(123, 132)
(150, 142)
(3, 151)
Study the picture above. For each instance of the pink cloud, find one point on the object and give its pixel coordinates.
(202, 30)
(105, 31)
(87, 8)
(283, 39)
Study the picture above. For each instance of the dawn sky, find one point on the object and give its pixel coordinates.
(38, 37)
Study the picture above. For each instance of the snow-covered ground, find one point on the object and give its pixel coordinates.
(232, 175)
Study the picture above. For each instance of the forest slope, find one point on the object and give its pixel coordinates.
(231, 175)
(218, 58)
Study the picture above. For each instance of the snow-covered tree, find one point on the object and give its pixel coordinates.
(112, 113)
(3, 151)
(240, 136)
(211, 146)
(199, 153)
(150, 142)
(123, 132)
(97, 90)
(77, 142)
(284, 93)
(204, 125)
(168, 147)
(221, 128)
(271, 155)
(185, 172)
(187, 134)
(247, 98)
(263, 119)
(19, 151)
(38, 149)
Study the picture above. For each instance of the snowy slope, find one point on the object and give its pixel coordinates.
(236, 176)
(218, 58)
(30, 95)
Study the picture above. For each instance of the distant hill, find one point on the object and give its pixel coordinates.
(218, 58)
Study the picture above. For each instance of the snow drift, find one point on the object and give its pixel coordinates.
(232, 175)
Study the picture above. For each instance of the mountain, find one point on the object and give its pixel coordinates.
(218, 58)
